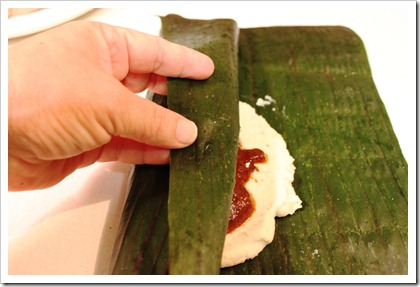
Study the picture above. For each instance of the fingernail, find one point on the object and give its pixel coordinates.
(186, 131)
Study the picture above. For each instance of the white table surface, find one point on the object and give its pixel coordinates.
(69, 228)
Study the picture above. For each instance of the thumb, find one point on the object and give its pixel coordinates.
(145, 121)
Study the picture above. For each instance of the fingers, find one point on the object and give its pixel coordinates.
(132, 117)
(125, 150)
(129, 151)
(150, 60)
(150, 54)
(139, 82)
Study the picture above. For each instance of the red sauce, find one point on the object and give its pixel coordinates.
(242, 205)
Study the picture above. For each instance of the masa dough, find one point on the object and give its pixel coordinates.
(270, 186)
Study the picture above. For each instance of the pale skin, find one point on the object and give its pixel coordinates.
(72, 101)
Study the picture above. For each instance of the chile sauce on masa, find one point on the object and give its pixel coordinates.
(242, 205)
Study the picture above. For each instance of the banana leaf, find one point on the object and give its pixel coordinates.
(202, 176)
(350, 171)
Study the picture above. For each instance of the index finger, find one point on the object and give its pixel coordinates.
(145, 53)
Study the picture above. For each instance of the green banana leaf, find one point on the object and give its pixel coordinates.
(350, 172)
(202, 176)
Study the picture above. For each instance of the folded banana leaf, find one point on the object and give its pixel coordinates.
(350, 171)
(202, 176)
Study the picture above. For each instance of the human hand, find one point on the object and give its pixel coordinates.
(72, 101)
